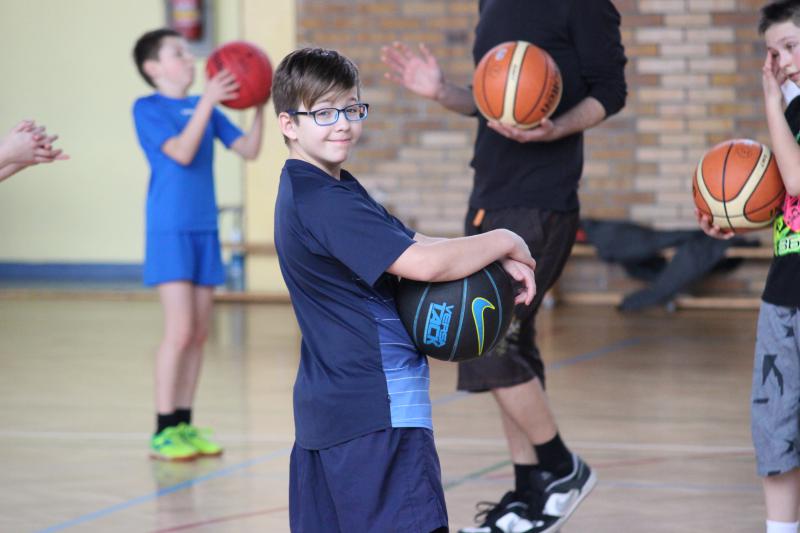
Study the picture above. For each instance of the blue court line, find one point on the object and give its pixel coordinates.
(270, 456)
(163, 492)
(594, 354)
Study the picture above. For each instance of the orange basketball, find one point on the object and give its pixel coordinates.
(517, 83)
(738, 185)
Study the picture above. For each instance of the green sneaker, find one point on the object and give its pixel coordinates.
(169, 445)
(198, 439)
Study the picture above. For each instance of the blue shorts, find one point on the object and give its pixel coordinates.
(192, 256)
(386, 481)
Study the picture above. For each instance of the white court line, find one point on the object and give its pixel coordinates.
(502, 445)
(227, 438)
(441, 442)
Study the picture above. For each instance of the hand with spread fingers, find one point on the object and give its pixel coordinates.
(417, 72)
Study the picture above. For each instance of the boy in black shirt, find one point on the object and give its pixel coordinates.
(776, 371)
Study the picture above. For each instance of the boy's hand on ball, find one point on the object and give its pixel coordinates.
(223, 86)
(519, 250)
(522, 274)
(712, 230)
(544, 132)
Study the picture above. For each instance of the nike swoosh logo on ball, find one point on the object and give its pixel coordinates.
(479, 305)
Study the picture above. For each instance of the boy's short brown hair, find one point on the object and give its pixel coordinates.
(306, 75)
(777, 12)
(148, 46)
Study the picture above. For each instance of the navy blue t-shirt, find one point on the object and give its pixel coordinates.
(359, 370)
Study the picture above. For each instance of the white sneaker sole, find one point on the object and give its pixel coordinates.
(587, 488)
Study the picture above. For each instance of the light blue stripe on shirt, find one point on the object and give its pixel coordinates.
(406, 370)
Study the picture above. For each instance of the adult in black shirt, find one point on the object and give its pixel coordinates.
(527, 181)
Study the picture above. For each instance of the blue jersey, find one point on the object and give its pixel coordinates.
(359, 370)
(179, 197)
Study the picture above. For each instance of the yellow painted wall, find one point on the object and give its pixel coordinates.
(68, 65)
(272, 26)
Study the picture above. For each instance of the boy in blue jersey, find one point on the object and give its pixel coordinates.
(182, 256)
(364, 458)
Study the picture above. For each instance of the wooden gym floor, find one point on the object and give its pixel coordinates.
(657, 403)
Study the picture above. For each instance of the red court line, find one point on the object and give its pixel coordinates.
(221, 519)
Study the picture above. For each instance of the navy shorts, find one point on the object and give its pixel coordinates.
(192, 256)
(386, 481)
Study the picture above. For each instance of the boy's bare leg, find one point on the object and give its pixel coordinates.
(529, 412)
(782, 496)
(192, 361)
(177, 304)
(520, 448)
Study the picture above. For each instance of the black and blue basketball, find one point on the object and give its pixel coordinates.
(458, 320)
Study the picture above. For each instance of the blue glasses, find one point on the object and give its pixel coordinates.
(330, 115)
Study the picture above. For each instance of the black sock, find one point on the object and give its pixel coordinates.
(522, 478)
(166, 421)
(184, 415)
(554, 457)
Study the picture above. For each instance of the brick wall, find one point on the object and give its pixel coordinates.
(693, 78)
(414, 155)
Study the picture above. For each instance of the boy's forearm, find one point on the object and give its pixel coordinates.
(5, 157)
(785, 148)
(424, 239)
(7, 170)
(183, 147)
(457, 258)
(249, 145)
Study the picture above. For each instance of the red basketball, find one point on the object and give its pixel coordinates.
(251, 67)
(517, 83)
(738, 185)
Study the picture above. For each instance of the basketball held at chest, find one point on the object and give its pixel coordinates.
(458, 320)
(518, 84)
(737, 184)
(251, 68)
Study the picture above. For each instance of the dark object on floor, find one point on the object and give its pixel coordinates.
(639, 249)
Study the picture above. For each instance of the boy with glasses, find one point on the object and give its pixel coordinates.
(364, 458)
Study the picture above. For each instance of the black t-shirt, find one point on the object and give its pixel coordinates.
(583, 38)
(783, 281)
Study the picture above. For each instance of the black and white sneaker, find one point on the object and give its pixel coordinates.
(507, 516)
(554, 500)
(544, 510)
